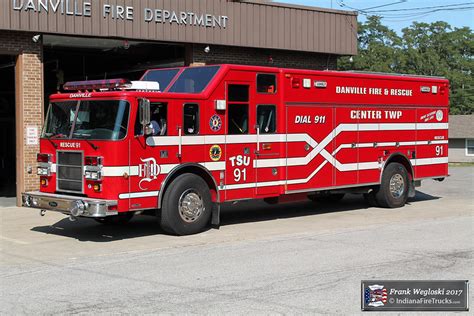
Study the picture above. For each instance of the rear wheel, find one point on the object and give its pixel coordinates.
(186, 207)
(393, 191)
(120, 219)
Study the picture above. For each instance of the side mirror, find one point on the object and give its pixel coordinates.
(144, 115)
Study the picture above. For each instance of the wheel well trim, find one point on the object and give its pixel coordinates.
(176, 169)
(390, 159)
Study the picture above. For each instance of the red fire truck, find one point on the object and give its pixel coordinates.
(182, 141)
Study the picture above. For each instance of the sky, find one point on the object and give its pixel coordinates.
(397, 20)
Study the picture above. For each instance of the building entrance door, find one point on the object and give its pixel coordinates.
(7, 128)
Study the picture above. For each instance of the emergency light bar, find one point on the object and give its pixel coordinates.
(112, 84)
(144, 86)
(97, 85)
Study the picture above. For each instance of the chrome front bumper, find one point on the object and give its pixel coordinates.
(69, 205)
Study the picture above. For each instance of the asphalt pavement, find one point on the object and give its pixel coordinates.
(297, 258)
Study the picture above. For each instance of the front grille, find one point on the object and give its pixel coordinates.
(69, 172)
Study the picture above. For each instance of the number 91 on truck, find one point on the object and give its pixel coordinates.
(180, 142)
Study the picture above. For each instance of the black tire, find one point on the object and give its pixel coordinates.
(397, 197)
(177, 222)
(327, 198)
(120, 219)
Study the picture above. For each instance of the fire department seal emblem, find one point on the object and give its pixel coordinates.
(215, 153)
(215, 123)
(439, 115)
(375, 295)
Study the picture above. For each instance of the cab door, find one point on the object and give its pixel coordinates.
(149, 158)
(241, 140)
(268, 162)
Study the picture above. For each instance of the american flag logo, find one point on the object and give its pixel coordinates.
(375, 295)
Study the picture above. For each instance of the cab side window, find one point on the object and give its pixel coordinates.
(266, 83)
(159, 118)
(238, 119)
(266, 119)
(191, 119)
(238, 113)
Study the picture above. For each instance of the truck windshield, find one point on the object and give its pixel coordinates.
(87, 119)
(194, 80)
(162, 76)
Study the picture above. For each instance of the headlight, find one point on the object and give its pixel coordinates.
(44, 171)
(93, 175)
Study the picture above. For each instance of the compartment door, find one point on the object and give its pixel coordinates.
(269, 162)
(309, 147)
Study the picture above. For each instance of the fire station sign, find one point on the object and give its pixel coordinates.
(121, 12)
(415, 295)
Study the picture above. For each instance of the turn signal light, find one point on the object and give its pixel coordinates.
(43, 158)
(97, 187)
(44, 182)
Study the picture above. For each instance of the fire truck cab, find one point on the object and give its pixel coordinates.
(182, 141)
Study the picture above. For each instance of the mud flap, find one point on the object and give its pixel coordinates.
(411, 189)
(216, 215)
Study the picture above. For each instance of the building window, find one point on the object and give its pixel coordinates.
(191, 119)
(266, 83)
(266, 119)
(469, 147)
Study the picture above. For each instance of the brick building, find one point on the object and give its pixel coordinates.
(46, 43)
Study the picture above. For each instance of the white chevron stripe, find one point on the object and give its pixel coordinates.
(340, 167)
(425, 126)
(132, 195)
(301, 161)
(317, 148)
(305, 180)
(388, 144)
(429, 161)
(164, 169)
(228, 139)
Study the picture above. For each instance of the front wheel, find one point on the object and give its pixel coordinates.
(186, 207)
(393, 191)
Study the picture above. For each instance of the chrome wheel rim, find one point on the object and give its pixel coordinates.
(191, 206)
(397, 185)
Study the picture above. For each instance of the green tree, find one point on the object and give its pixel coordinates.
(424, 49)
(379, 48)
